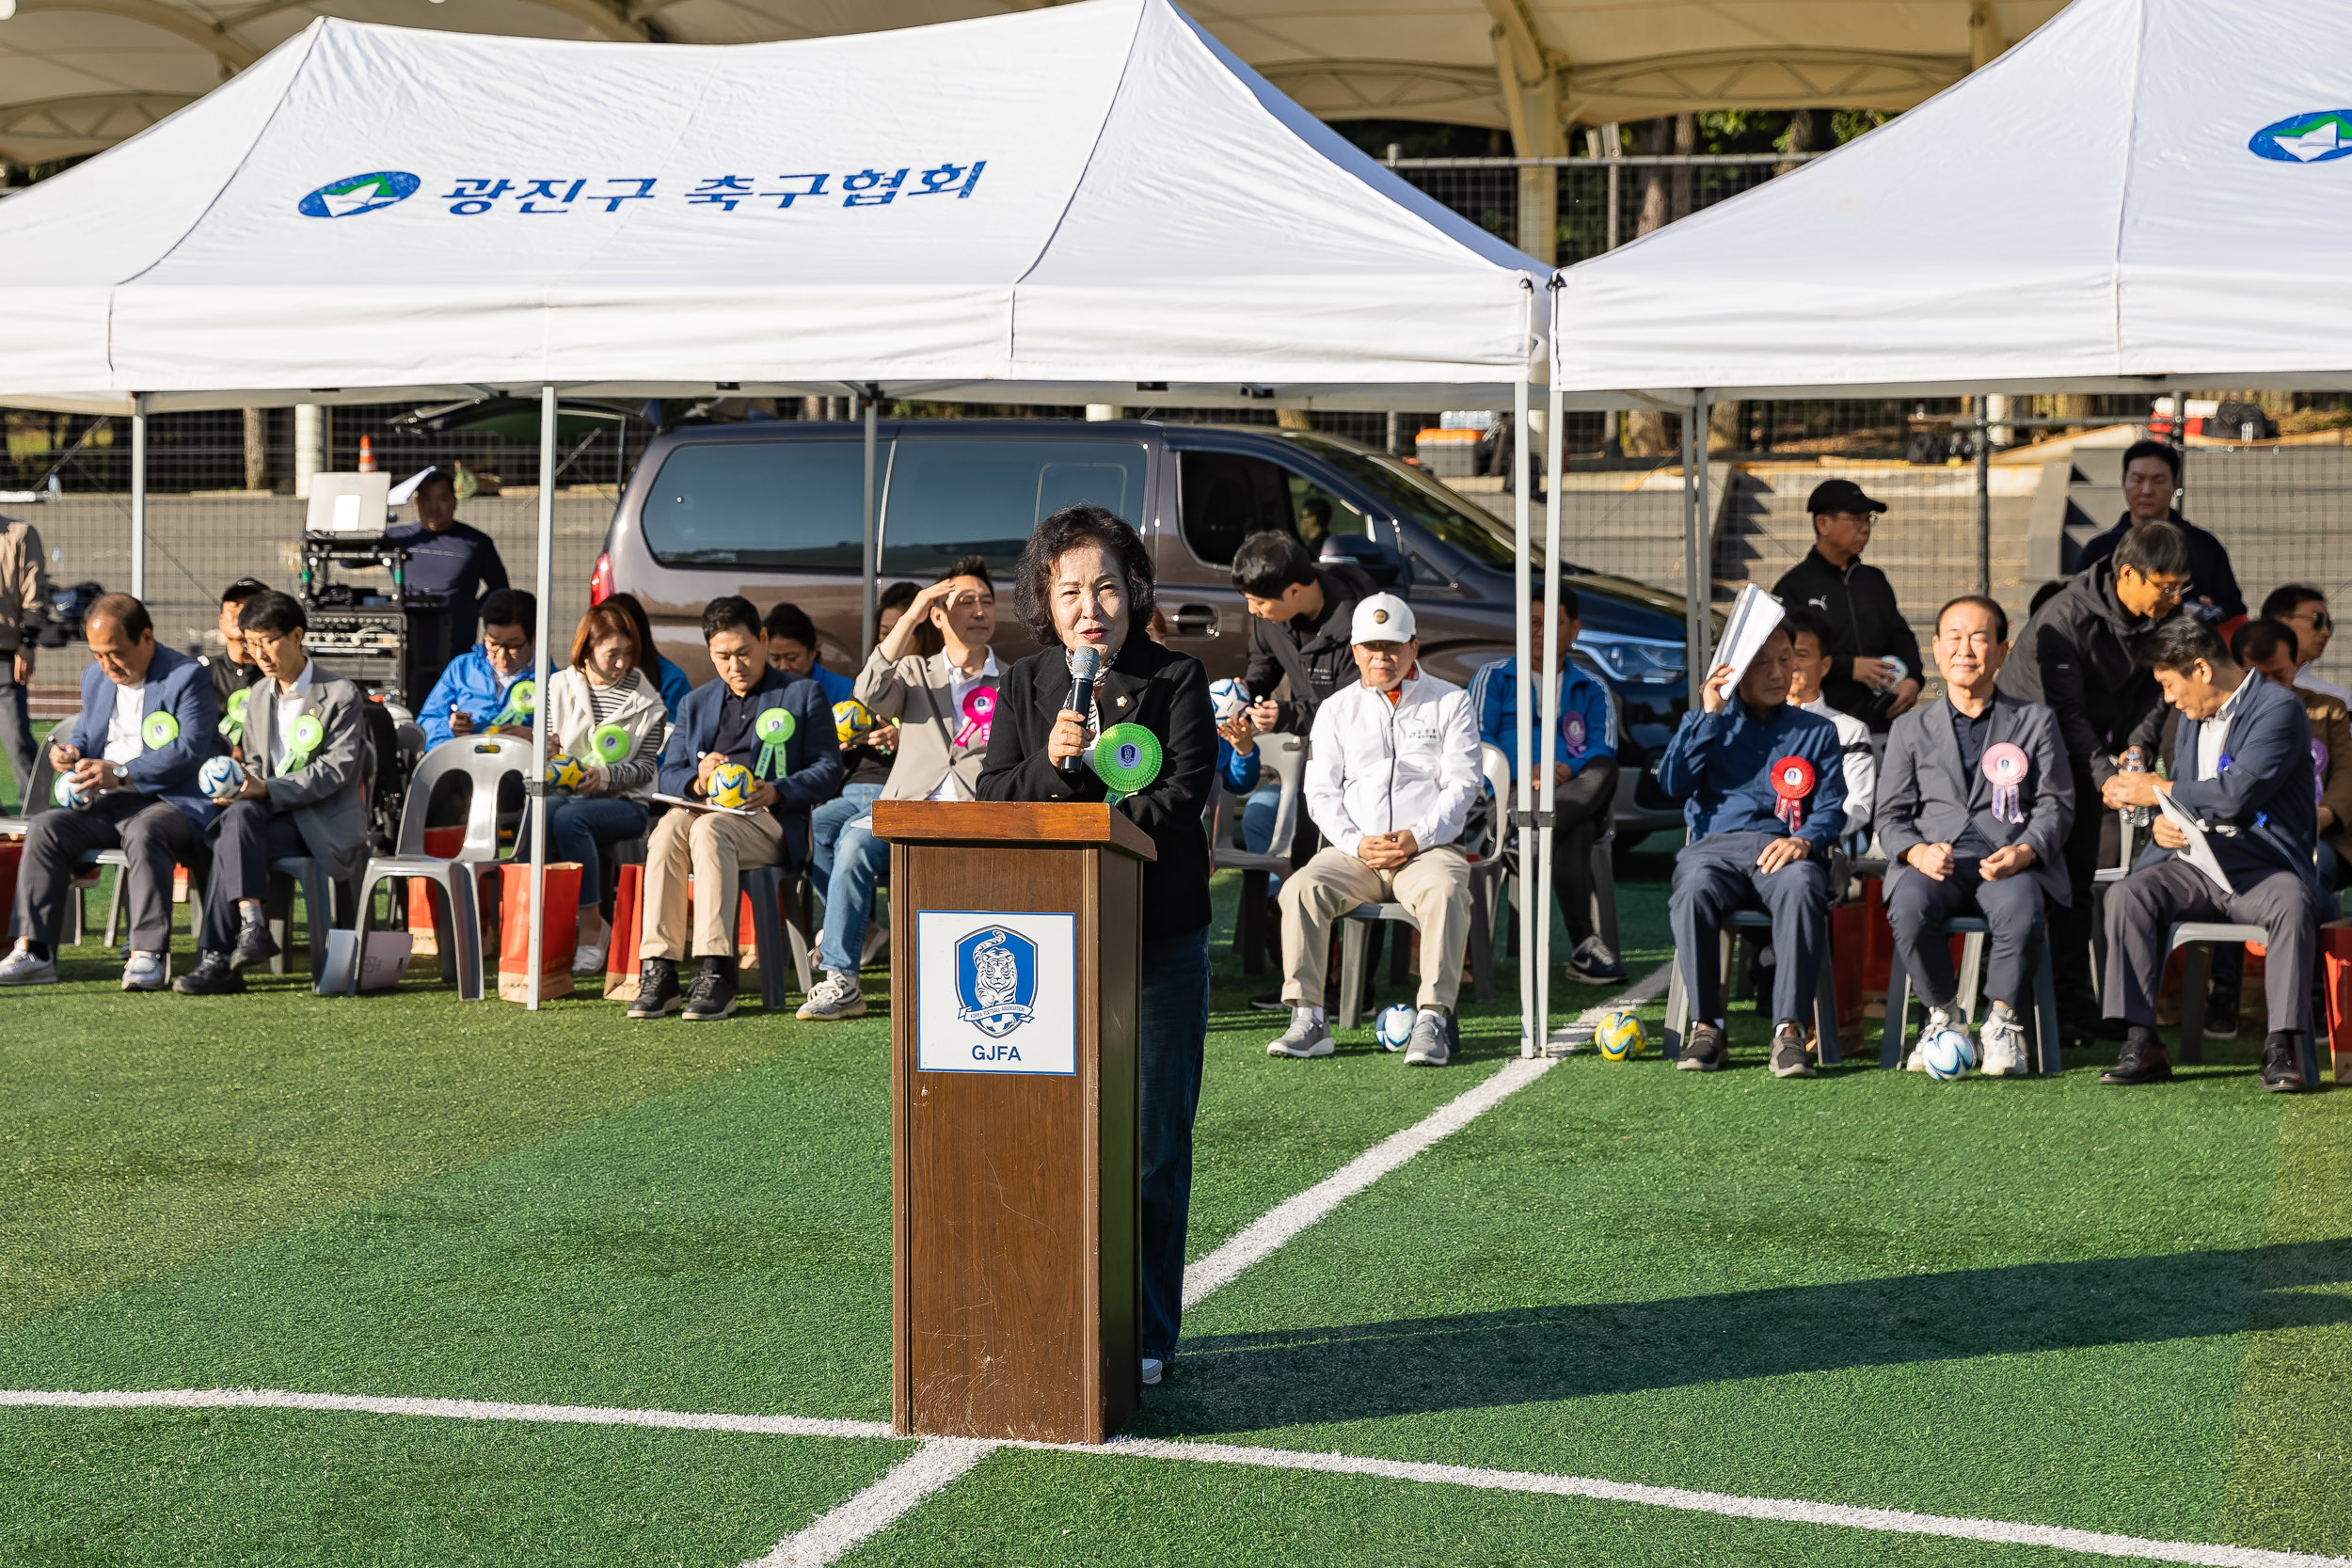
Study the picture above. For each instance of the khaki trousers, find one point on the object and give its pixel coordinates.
(1434, 886)
(712, 847)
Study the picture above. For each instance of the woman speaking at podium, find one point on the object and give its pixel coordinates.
(1084, 591)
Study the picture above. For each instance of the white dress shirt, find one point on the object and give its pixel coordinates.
(290, 706)
(2212, 736)
(122, 726)
(960, 687)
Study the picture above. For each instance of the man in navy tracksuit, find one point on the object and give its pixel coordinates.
(1763, 787)
(2245, 775)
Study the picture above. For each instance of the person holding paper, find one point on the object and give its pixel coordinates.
(1874, 658)
(1763, 787)
(1972, 814)
(2234, 844)
(780, 727)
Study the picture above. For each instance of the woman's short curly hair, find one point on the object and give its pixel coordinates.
(1073, 526)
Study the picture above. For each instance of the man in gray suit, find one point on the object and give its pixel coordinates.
(305, 755)
(1973, 806)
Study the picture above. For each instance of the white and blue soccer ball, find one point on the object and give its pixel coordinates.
(1393, 1028)
(67, 795)
(220, 776)
(1948, 1054)
(1228, 698)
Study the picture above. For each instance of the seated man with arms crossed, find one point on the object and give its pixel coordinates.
(305, 755)
(1974, 811)
(1392, 771)
(1763, 789)
(148, 720)
(720, 723)
(2244, 776)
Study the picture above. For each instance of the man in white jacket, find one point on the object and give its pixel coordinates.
(1392, 771)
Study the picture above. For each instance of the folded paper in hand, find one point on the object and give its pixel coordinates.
(2198, 852)
(1753, 615)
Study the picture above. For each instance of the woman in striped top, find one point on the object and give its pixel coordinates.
(604, 712)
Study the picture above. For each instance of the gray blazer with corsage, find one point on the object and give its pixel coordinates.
(324, 796)
(1926, 796)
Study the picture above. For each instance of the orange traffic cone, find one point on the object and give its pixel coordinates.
(367, 455)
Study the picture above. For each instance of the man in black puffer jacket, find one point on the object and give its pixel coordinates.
(1300, 612)
(2079, 656)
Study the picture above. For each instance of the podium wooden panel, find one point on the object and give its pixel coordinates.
(1014, 1284)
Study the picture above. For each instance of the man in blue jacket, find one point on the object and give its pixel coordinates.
(1584, 768)
(475, 694)
(740, 718)
(149, 721)
(2244, 776)
(1763, 787)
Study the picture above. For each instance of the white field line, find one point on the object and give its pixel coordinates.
(464, 1410)
(940, 1460)
(1266, 1234)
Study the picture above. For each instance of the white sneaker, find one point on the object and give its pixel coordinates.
(835, 996)
(1153, 1369)
(144, 971)
(20, 968)
(587, 959)
(1429, 1047)
(1307, 1036)
(2003, 1040)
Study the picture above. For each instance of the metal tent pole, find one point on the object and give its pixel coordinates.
(1694, 587)
(1555, 417)
(138, 497)
(537, 787)
(1984, 501)
(868, 396)
(1522, 815)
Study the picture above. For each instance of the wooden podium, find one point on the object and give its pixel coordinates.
(1014, 960)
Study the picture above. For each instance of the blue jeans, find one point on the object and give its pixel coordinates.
(1174, 1011)
(857, 861)
(579, 829)
(826, 822)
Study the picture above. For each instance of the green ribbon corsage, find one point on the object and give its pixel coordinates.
(522, 702)
(160, 730)
(611, 743)
(302, 739)
(775, 727)
(232, 717)
(1126, 757)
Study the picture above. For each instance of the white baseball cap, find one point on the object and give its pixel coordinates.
(1382, 618)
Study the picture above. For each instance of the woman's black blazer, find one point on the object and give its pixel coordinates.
(1168, 694)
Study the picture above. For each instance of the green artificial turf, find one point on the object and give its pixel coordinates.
(1038, 1509)
(250, 1486)
(2051, 1302)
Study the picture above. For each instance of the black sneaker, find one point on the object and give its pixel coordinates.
(713, 994)
(657, 992)
(212, 975)
(1702, 1048)
(2142, 1061)
(1788, 1057)
(254, 945)
(2281, 1074)
(2221, 1018)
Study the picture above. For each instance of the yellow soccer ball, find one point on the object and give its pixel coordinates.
(730, 785)
(851, 720)
(1619, 1038)
(564, 773)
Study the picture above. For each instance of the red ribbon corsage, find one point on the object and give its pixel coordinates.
(1792, 780)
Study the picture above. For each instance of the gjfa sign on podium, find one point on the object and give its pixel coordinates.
(1000, 992)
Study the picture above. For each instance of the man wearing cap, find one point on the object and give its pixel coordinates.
(1874, 658)
(1763, 787)
(1392, 771)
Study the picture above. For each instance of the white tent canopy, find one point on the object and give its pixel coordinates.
(1087, 198)
(2120, 201)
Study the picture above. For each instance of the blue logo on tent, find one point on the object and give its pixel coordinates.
(997, 980)
(2311, 138)
(360, 193)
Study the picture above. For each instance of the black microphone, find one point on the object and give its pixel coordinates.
(1085, 663)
